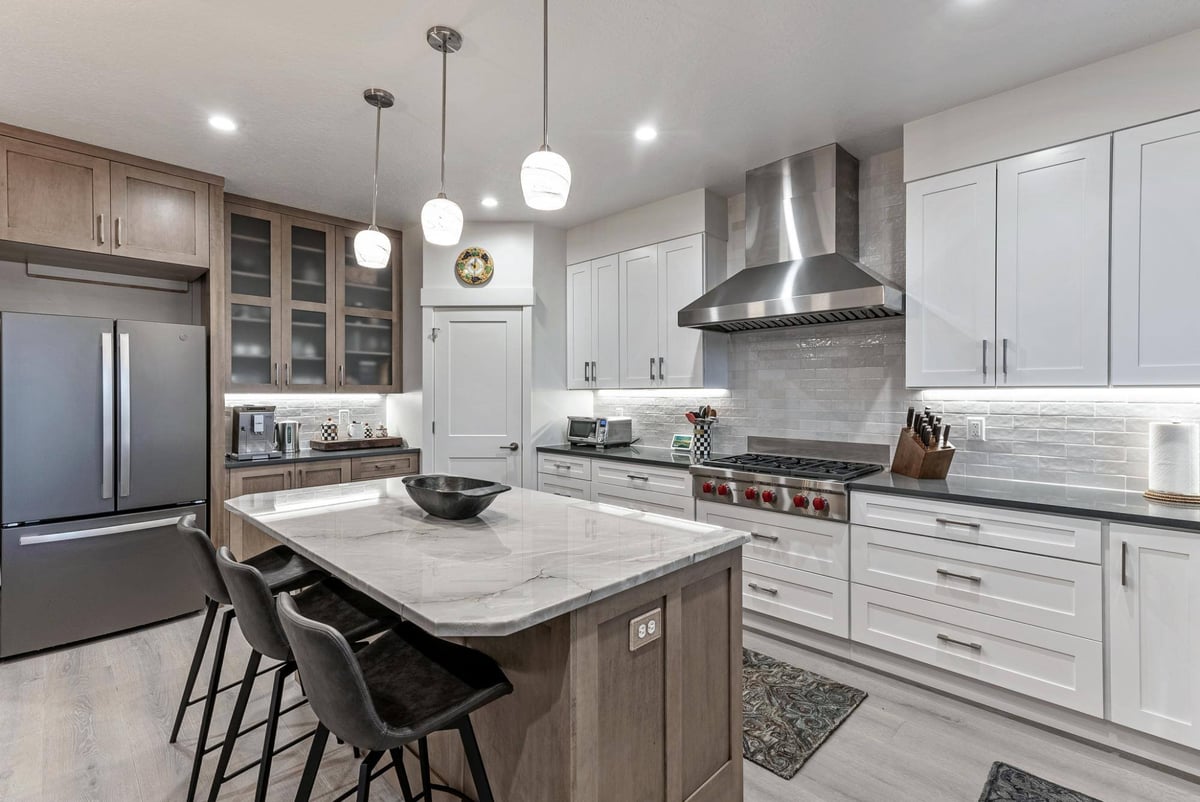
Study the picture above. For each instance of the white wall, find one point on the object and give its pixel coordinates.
(677, 216)
(1153, 82)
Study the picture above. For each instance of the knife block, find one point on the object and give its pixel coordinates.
(914, 460)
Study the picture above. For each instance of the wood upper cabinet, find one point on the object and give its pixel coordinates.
(308, 305)
(50, 196)
(950, 313)
(253, 255)
(158, 216)
(368, 321)
(1155, 240)
(1153, 617)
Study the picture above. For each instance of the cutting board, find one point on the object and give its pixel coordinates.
(357, 443)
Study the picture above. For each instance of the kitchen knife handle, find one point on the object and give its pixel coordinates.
(1124, 561)
(586, 375)
(985, 360)
(1004, 357)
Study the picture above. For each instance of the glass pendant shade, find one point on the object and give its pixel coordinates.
(545, 180)
(442, 221)
(372, 248)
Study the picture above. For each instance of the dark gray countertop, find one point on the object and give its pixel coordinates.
(307, 454)
(649, 455)
(1113, 505)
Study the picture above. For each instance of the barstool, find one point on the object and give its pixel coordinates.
(281, 568)
(400, 688)
(352, 614)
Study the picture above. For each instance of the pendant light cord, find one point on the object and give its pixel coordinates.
(444, 50)
(545, 74)
(375, 174)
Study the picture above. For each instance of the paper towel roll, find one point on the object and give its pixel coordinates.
(1175, 458)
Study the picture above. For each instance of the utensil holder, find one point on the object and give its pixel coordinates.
(702, 439)
(916, 461)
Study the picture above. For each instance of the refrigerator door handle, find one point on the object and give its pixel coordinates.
(106, 408)
(81, 534)
(125, 416)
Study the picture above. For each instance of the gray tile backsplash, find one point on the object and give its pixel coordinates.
(312, 410)
(846, 382)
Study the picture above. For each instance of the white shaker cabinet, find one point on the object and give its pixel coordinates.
(1153, 619)
(680, 281)
(950, 309)
(1155, 247)
(580, 326)
(1052, 267)
(593, 335)
(639, 309)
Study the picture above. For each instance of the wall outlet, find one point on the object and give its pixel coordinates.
(644, 629)
(976, 429)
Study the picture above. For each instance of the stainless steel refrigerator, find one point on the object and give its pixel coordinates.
(103, 446)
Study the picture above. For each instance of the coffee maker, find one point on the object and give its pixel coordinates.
(254, 433)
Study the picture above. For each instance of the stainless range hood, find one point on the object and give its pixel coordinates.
(801, 252)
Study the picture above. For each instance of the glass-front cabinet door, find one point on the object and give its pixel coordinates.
(308, 279)
(252, 254)
(368, 301)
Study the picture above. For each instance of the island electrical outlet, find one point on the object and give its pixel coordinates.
(644, 629)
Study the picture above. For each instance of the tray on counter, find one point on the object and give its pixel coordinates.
(355, 443)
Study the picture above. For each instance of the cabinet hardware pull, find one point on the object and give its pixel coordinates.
(118, 232)
(1004, 358)
(100, 228)
(651, 368)
(287, 374)
(341, 375)
(968, 577)
(586, 376)
(564, 495)
(638, 476)
(760, 536)
(762, 588)
(124, 366)
(595, 378)
(1124, 561)
(276, 369)
(985, 360)
(952, 522)
(661, 375)
(978, 647)
(563, 465)
(387, 467)
(107, 393)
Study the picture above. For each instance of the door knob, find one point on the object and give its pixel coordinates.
(512, 446)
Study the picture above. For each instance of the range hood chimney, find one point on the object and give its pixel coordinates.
(801, 252)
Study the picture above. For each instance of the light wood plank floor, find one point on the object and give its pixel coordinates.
(91, 723)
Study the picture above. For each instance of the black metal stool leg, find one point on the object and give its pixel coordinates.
(423, 754)
(315, 752)
(483, 789)
(364, 775)
(402, 774)
(235, 723)
(210, 615)
(264, 768)
(206, 717)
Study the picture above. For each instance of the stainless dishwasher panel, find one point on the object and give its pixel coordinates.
(69, 581)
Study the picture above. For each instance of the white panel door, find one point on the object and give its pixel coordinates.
(580, 326)
(606, 323)
(951, 280)
(1052, 266)
(680, 281)
(1156, 253)
(640, 306)
(1154, 621)
(478, 393)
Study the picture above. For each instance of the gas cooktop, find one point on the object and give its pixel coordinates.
(796, 467)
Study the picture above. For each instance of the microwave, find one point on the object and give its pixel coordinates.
(599, 432)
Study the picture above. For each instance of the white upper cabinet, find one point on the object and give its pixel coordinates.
(1153, 618)
(1155, 247)
(640, 305)
(1052, 266)
(580, 327)
(951, 280)
(606, 323)
(680, 281)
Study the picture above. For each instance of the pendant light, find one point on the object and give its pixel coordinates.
(545, 175)
(373, 248)
(441, 219)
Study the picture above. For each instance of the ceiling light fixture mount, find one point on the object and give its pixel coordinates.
(441, 218)
(545, 175)
(372, 248)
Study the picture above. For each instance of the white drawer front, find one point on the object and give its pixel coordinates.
(642, 477)
(645, 500)
(1033, 532)
(1062, 669)
(1063, 595)
(573, 488)
(822, 547)
(559, 465)
(811, 600)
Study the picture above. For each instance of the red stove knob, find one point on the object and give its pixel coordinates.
(820, 504)
(751, 493)
(723, 490)
(800, 501)
(768, 496)
(707, 487)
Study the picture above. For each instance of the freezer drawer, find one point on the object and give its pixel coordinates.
(65, 582)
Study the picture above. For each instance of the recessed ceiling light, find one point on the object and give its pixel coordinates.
(490, 202)
(222, 123)
(646, 133)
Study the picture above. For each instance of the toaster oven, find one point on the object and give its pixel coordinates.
(599, 432)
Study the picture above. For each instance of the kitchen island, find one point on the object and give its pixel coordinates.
(558, 591)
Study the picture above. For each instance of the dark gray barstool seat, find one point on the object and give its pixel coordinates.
(350, 613)
(281, 568)
(398, 689)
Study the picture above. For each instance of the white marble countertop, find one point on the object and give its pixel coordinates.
(528, 558)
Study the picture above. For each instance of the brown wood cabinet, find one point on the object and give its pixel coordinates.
(158, 216)
(246, 541)
(385, 467)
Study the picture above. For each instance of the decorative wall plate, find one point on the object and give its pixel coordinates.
(474, 266)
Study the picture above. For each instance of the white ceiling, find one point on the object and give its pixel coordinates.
(730, 85)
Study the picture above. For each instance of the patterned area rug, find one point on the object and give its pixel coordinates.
(1007, 783)
(789, 712)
